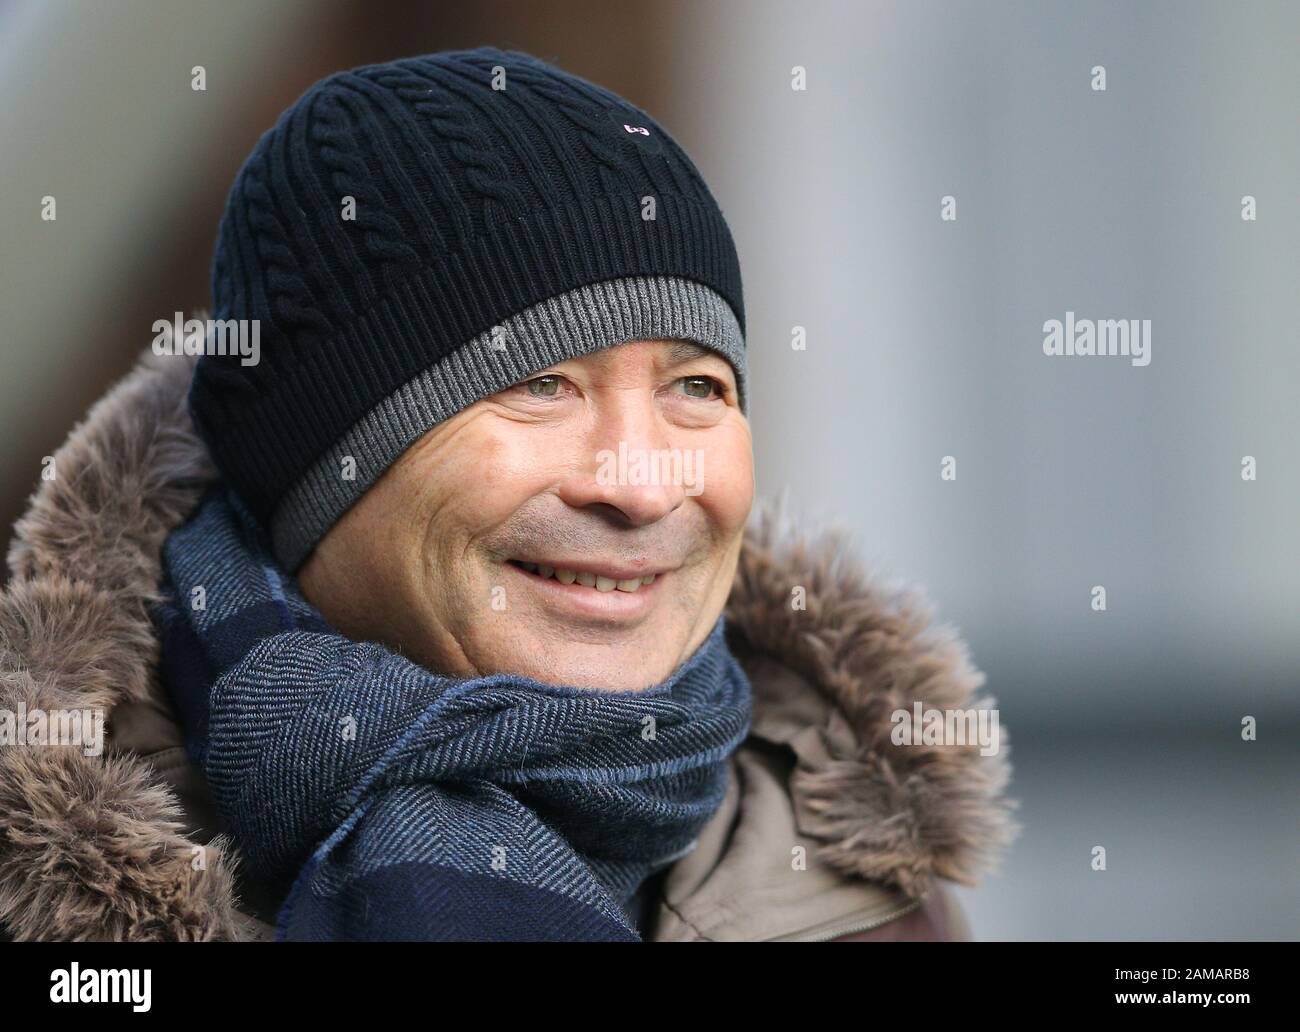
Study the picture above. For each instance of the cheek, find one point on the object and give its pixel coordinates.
(477, 478)
(728, 481)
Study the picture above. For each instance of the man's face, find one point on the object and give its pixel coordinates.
(581, 527)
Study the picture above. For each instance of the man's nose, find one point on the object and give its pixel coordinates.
(627, 465)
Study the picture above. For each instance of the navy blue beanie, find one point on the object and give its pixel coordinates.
(414, 236)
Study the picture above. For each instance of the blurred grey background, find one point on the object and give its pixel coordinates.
(924, 339)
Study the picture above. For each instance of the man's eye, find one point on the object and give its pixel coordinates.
(543, 387)
(703, 387)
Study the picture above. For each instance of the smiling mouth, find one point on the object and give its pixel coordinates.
(585, 578)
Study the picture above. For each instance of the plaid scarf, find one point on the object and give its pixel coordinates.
(383, 801)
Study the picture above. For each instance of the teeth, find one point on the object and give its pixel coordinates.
(589, 580)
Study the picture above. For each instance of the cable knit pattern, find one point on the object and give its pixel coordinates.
(472, 204)
(485, 172)
(350, 177)
(577, 113)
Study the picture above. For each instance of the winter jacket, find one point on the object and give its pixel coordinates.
(829, 830)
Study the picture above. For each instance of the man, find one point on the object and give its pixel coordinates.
(436, 615)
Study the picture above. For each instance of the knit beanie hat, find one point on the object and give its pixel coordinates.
(414, 236)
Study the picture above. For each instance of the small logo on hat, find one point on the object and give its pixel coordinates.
(638, 133)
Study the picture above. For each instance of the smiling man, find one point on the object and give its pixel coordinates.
(599, 581)
(463, 628)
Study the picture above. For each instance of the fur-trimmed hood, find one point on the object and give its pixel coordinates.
(106, 846)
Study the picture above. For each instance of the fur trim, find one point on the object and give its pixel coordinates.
(92, 847)
(894, 814)
(93, 851)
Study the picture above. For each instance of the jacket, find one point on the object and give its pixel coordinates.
(828, 829)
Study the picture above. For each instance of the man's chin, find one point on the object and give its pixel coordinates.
(615, 668)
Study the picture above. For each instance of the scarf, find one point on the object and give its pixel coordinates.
(381, 800)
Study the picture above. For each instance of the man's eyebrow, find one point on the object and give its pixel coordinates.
(687, 350)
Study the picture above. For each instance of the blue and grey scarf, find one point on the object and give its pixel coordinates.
(380, 800)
